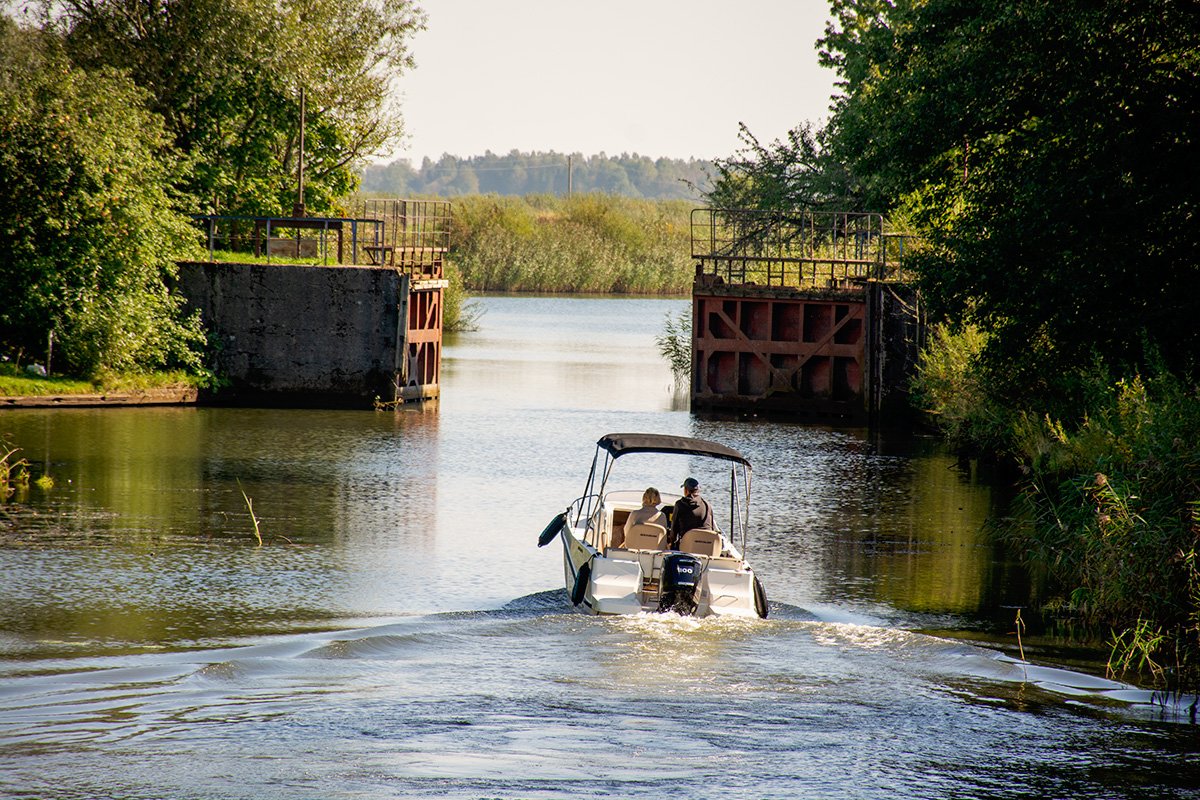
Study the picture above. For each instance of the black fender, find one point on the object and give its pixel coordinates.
(760, 598)
(581, 581)
(552, 530)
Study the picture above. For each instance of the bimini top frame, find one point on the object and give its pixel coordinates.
(615, 445)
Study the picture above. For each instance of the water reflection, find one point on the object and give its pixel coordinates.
(365, 514)
(398, 633)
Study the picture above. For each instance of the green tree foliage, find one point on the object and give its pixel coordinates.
(226, 76)
(542, 173)
(1048, 153)
(90, 237)
(786, 174)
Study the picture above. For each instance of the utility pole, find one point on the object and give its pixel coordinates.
(298, 211)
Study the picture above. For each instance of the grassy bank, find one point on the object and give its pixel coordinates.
(1109, 511)
(15, 382)
(587, 243)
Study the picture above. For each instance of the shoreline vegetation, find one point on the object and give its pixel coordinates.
(1107, 511)
(584, 244)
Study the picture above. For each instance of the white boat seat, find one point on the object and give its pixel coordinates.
(646, 536)
(701, 542)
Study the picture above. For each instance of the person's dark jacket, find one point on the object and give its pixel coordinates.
(690, 512)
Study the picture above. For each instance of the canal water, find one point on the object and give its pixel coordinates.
(397, 633)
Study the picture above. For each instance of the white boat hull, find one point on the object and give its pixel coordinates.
(628, 581)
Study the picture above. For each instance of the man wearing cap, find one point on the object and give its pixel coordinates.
(691, 511)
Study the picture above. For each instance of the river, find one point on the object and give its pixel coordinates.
(397, 633)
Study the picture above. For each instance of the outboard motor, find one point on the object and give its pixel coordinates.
(680, 583)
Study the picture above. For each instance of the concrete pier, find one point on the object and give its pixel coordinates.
(320, 336)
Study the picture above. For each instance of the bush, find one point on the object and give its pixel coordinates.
(1113, 519)
(950, 386)
(86, 214)
(675, 346)
(459, 312)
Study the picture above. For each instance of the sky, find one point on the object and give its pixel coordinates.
(655, 77)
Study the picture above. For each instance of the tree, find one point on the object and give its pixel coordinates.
(1048, 153)
(795, 173)
(520, 173)
(88, 225)
(226, 76)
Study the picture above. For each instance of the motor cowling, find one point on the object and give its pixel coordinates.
(680, 583)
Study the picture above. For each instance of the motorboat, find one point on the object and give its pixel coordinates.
(699, 572)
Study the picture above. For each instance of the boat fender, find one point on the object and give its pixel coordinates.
(552, 530)
(581, 581)
(760, 598)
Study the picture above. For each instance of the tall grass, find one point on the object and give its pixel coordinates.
(586, 243)
(16, 383)
(1110, 501)
(14, 470)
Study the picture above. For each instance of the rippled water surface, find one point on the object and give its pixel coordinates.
(398, 633)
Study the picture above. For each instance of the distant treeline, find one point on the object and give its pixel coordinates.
(543, 173)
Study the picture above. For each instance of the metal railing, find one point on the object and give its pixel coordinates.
(409, 235)
(344, 240)
(416, 233)
(794, 248)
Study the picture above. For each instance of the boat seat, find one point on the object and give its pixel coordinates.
(646, 536)
(701, 542)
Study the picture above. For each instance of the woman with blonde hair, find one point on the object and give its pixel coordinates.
(648, 513)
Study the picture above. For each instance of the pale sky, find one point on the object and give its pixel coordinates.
(656, 77)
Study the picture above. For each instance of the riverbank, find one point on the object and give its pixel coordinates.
(1109, 498)
(173, 396)
(22, 389)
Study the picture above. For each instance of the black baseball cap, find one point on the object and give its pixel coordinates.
(691, 483)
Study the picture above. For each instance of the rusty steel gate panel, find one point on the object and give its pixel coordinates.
(419, 351)
(804, 312)
(794, 353)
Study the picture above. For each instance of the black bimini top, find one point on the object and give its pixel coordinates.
(620, 444)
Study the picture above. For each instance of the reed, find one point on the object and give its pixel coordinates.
(14, 470)
(596, 244)
(250, 508)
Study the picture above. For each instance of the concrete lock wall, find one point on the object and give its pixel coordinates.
(302, 335)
